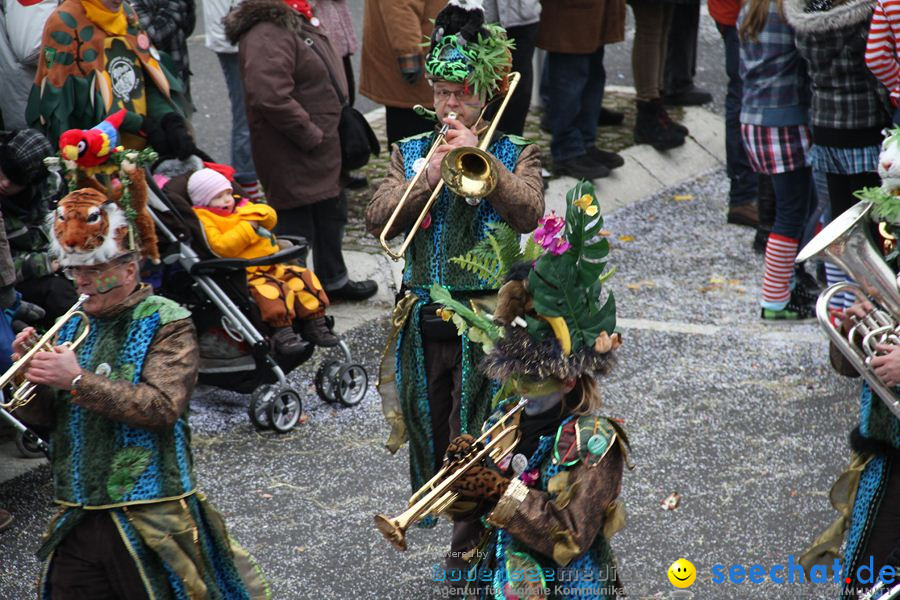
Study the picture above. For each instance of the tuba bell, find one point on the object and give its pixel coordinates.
(847, 242)
(435, 497)
(23, 390)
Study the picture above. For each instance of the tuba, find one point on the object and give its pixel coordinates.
(848, 243)
(24, 392)
(435, 497)
(467, 172)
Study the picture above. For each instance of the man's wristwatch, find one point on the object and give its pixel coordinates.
(75, 381)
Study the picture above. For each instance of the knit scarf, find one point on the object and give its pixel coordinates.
(113, 23)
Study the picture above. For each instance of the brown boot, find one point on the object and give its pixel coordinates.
(744, 214)
(316, 331)
(288, 342)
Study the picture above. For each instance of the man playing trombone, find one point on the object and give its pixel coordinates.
(438, 392)
(131, 522)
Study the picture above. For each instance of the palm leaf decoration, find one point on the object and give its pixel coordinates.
(570, 285)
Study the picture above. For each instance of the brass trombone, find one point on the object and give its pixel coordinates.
(24, 392)
(467, 172)
(435, 497)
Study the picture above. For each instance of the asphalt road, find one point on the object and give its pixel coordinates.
(746, 422)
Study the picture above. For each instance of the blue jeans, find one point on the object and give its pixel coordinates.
(241, 159)
(795, 198)
(575, 90)
(743, 179)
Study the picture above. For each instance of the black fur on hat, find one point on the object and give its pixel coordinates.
(465, 17)
(517, 353)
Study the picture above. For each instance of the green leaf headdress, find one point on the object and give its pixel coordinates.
(551, 319)
(465, 50)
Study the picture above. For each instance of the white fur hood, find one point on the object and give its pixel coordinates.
(843, 15)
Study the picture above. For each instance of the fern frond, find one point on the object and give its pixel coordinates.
(487, 269)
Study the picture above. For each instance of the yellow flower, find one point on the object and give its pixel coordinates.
(445, 314)
(586, 203)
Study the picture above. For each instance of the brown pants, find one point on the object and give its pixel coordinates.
(93, 562)
(651, 39)
(286, 292)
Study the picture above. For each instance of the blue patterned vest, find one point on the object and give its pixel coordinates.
(455, 225)
(97, 461)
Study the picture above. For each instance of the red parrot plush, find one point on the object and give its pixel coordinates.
(91, 148)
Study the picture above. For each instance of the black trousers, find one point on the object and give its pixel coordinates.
(841, 188)
(513, 119)
(681, 53)
(404, 122)
(322, 224)
(443, 367)
(93, 562)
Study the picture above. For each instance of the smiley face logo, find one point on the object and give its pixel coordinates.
(682, 573)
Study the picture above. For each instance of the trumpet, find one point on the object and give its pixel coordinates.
(467, 172)
(847, 242)
(24, 392)
(435, 497)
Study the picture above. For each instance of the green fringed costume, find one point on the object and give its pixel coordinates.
(85, 74)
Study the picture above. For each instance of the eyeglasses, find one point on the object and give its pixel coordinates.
(92, 273)
(444, 95)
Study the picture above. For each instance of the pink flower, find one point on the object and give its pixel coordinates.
(558, 246)
(549, 234)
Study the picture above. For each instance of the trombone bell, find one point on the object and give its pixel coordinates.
(469, 173)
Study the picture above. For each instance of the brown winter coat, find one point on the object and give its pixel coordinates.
(580, 26)
(394, 28)
(292, 107)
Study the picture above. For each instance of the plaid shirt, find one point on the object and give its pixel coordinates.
(845, 93)
(776, 85)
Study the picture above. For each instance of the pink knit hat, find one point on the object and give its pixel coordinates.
(206, 184)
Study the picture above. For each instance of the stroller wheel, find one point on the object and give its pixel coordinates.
(350, 384)
(325, 380)
(27, 447)
(285, 410)
(259, 406)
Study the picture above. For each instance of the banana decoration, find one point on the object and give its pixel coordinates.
(561, 331)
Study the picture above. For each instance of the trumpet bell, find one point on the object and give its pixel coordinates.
(468, 172)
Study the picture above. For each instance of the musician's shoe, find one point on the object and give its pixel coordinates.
(354, 291)
(795, 311)
(581, 167)
(610, 160)
(6, 519)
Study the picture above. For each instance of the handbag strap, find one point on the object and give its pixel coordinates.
(311, 43)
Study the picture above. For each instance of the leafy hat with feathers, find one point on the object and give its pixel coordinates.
(463, 49)
(551, 319)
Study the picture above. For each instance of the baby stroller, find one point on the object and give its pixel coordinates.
(234, 352)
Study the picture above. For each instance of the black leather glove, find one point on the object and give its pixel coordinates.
(169, 136)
